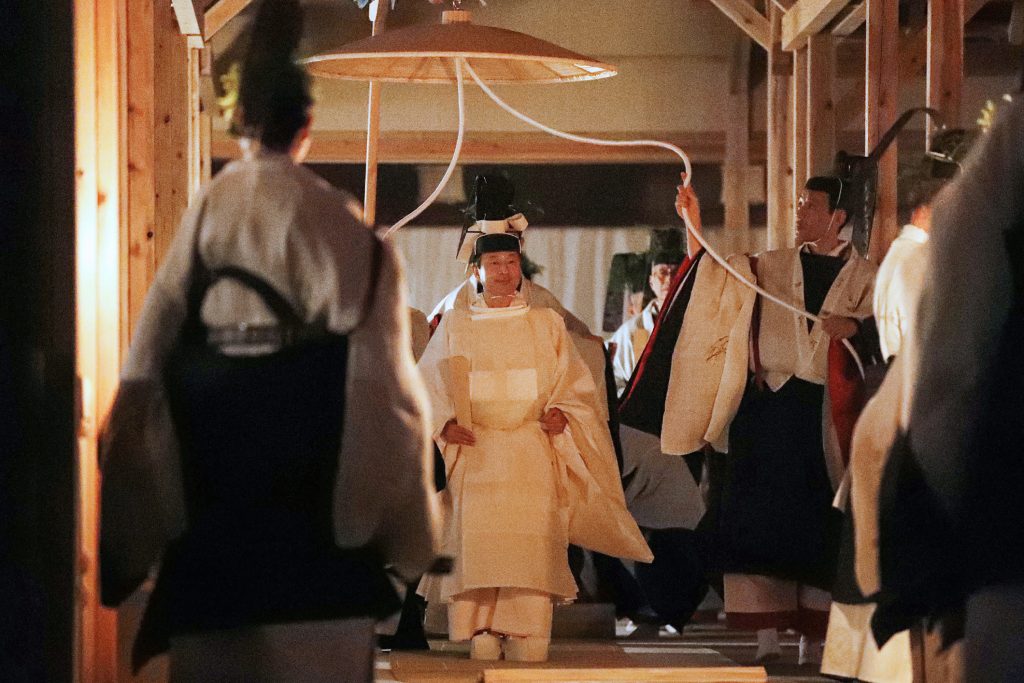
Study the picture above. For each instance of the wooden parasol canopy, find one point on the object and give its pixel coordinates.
(425, 54)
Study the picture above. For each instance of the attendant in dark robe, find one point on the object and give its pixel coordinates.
(748, 378)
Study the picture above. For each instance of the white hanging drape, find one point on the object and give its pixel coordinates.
(576, 262)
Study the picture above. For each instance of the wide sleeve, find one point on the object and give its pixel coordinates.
(598, 517)
(384, 492)
(142, 501)
(432, 369)
(966, 300)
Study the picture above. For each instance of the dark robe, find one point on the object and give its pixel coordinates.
(776, 516)
(642, 404)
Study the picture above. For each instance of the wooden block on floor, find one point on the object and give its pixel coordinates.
(736, 674)
(584, 620)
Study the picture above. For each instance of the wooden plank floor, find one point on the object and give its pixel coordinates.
(703, 652)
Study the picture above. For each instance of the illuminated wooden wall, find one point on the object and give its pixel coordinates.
(139, 156)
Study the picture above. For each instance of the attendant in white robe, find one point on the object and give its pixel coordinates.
(631, 337)
(304, 239)
(850, 647)
(530, 464)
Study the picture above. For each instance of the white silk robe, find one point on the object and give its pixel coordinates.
(591, 347)
(518, 497)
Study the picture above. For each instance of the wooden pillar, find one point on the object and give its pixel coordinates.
(821, 113)
(945, 70)
(798, 137)
(881, 100)
(779, 169)
(373, 129)
(139, 256)
(173, 113)
(737, 152)
(99, 151)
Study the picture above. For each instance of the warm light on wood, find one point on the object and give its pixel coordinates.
(429, 147)
(806, 18)
(98, 211)
(880, 111)
(219, 14)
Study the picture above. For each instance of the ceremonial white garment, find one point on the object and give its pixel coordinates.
(518, 497)
(630, 340)
(591, 348)
(850, 648)
(898, 288)
(711, 359)
(285, 224)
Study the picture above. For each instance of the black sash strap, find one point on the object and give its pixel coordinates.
(293, 327)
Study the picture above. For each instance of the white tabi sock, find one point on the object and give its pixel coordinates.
(810, 651)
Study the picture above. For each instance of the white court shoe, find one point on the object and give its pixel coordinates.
(526, 649)
(485, 647)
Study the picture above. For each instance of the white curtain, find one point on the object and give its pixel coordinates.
(575, 260)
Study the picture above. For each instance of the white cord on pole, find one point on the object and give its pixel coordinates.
(686, 218)
(458, 62)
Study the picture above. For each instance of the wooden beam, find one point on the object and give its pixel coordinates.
(912, 57)
(190, 18)
(856, 18)
(172, 142)
(881, 102)
(779, 170)
(373, 128)
(783, 4)
(852, 21)
(747, 18)
(737, 152)
(349, 147)
(798, 134)
(140, 267)
(219, 14)
(821, 112)
(807, 18)
(945, 61)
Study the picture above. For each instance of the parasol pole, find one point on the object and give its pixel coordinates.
(373, 127)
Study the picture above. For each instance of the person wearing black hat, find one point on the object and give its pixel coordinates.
(268, 445)
(510, 395)
(494, 212)
(772, 510)
(631, 337)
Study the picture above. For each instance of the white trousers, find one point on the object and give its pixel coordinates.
(505, 611)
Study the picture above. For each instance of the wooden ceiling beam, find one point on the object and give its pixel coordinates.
(855, 19)
(748, 19)
(852, 21)
(220, 13)
(349, 147)
(807, 18)
(912, 59)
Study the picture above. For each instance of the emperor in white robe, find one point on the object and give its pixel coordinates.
(518, 497)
